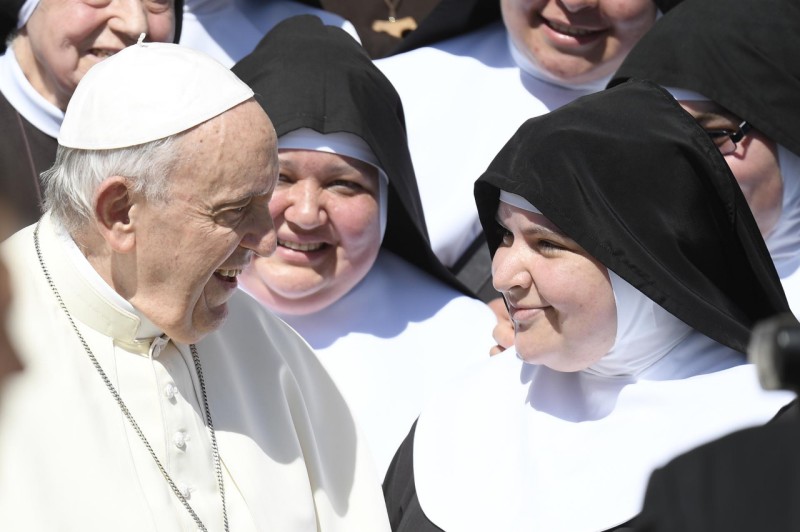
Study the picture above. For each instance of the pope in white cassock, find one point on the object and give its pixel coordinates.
(157, 396)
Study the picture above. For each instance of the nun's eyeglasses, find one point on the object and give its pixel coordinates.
(726, 139)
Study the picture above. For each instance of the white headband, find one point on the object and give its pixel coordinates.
(26, 11)
(686, 95)
(341, 143)
(518, 202)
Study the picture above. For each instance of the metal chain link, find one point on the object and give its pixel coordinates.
(127, 413)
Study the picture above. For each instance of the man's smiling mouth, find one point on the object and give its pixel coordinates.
(228, 275)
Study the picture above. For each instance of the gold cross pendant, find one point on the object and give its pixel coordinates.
(394, 26)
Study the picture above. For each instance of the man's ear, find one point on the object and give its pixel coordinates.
(112, 206)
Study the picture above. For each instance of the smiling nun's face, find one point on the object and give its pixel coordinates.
(560, 298)
(326, 213)
(63, 39)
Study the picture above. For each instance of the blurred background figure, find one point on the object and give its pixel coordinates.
(743, 87)
(9, 362)
(354, 273)
(54, 44)
(9, 14)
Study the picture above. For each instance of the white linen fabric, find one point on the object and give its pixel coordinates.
(228, 30)
(292, 458)
(392, 342)
(645, 333)
(463, 99)
(519, 447)
(19, 92)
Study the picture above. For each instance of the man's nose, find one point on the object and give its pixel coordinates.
(261, 237)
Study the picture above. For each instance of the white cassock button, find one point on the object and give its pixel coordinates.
(170, 390)
(179, 439)
(186, 491)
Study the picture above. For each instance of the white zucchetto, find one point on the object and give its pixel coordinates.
(147, 92)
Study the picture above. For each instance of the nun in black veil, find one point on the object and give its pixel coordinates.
(740, 78)
(354, 272)
(633, 271)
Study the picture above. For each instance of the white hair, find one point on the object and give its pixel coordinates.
(70, 184)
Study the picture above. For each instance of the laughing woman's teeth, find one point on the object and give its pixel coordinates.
(575, 32)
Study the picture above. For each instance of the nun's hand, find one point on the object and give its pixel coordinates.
(503, 332)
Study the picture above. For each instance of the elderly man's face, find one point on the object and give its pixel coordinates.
(190, 249)
(63, 39)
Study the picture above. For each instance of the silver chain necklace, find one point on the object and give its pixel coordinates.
(129, 416)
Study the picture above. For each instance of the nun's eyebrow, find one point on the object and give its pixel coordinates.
(540, 231)
(717, 113)
(536, 230)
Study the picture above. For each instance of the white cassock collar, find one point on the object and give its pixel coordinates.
(45, 116)
(88, 297)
